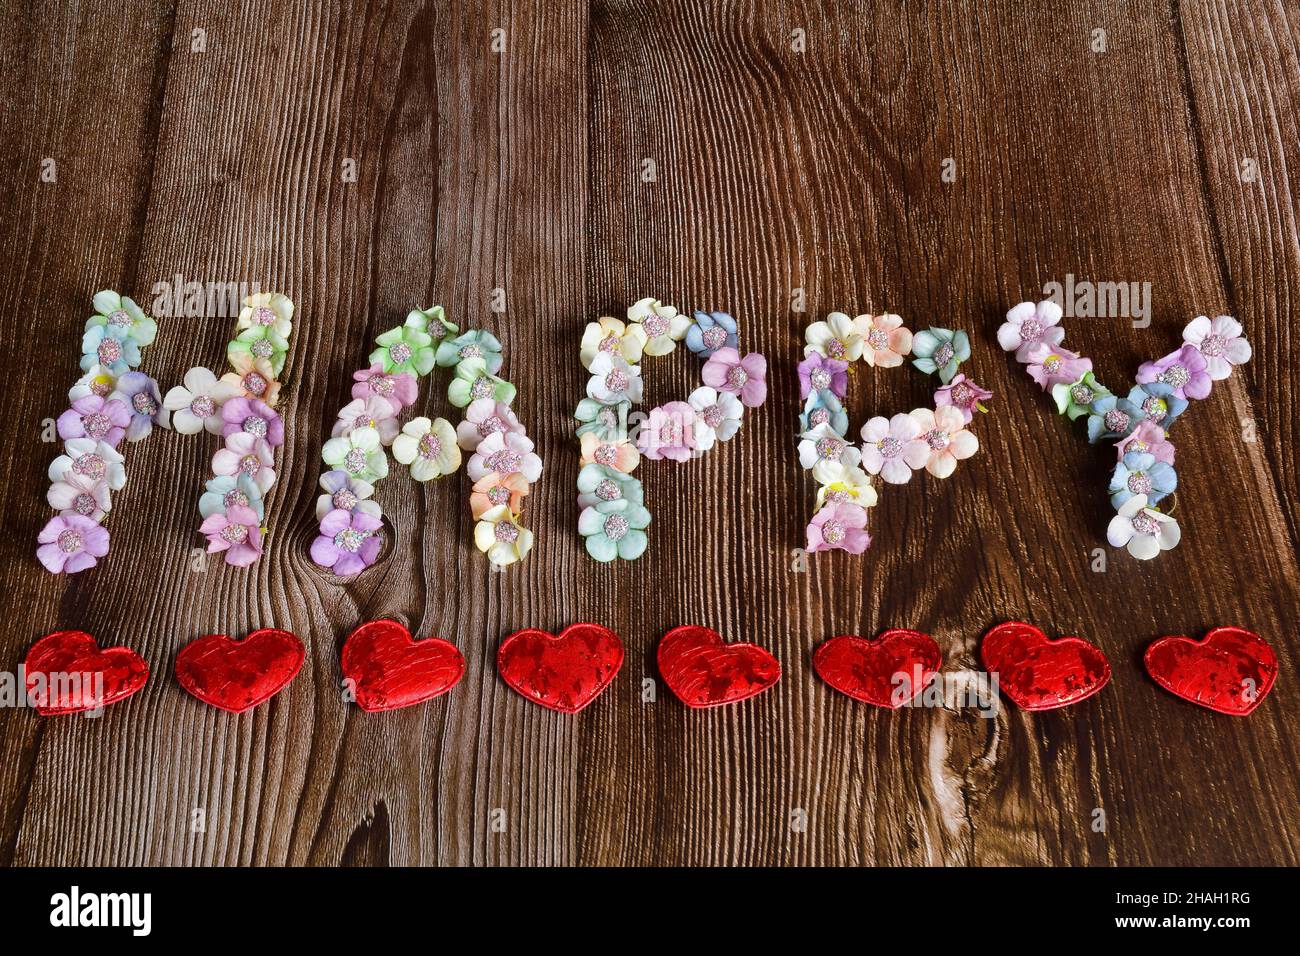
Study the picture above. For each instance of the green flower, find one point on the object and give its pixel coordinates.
(122, 318)
(614, 529)
(432, 320)
(607, 421)
(1075, 398)
(473, 344)
(940, 350)
(404, 349)
(473, 381)
(260, 341)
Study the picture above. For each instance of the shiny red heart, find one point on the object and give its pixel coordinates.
(238, 675)
(887, 671)
(67, 673)
(704, 671)
(1230, 670)
(1038, 674)
(564, 672)
(389, 669)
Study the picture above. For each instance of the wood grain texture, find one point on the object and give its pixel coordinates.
(780, 176)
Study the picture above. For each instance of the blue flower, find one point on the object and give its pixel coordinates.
(608, 421)
(823, 407)
(940, 350)
(1158, 403)
(712, 331)
(224, 491)
(110, 346)
(599, 484)
(1113, 417)
(1138, 473)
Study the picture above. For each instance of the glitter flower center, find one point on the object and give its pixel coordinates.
(109, 351)
(1139, 482)
(430, 446)
(506, 532)
(483, 387)
(714, 337)
(938, 439)
(90, 465)
(349, 540)
(498, 494)
(1031, 330)
(255, 425)
(1116, 421)
(250, 465)
(505, 462)
(382, 384)
(961, 394)
(202, 406)
(819, 416)
(470, 351)
(616, 527)
(616, 381)
(655, 326)
(1081, 394)
(833, 532)
(1143, 523)
(355, 461)
(878, 339)
(119, 318)
(889, 447)
(943, 354)
(70, 541)
(608, 490)
(609, 343)
(1052, 364)
(144, 404)
(344, 499)
(820, 379)
(102, 387)
(835, 349)
(263, 315)
(254, 384)
(829, 449)
(234, 533)
(737, 377)
(1156, 408)
(1213, 345)
(96, 425)
(1176, 376)
(605, 455)
(234, 499)
(491, 425)
(1138, 445)
(400, 353)
(262, 348)
(85, 504)
(714, 416)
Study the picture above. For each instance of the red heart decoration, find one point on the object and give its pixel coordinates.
(1038, 674)
(1230, 670)
(704, 671)
(85, 677)
(564, 672)
(238, 675)
(389, 669)
(869, 670)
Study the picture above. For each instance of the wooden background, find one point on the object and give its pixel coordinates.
(1169, 158)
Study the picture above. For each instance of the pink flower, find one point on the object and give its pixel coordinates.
(1028, 325)
(485, 417)
(506, 453)
(962, 394)
(83, 495)
(400, 389)
(246, 454)
(839, 526)
(236, 532)
(944, 431)
(1150, 438)
(372, 411)
(885, 339)
(70, 543)
(744, 377)
(254, 417)
(669, 430)
(93, 416)
(1220, 342)
(893, 448)
(1052, 365)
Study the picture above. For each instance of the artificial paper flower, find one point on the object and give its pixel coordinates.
(375, 412)
(140, 394)
(473, 382)
(893, 447)
(823, 445)
(252, 377)
(1139, 473)
(1075, 398)
(712, 331)
(196, 404)
(614, 380)
(474, 344)
(1112, 417)
(1050, 365)
(109, 347)
(486, 417)
(606, 420)
(1028, 325)
(103, 419)
(227, 491)
(838, 338)
(493, 490)
(1158, 403)
(1185, 371)
(940, 350)
(823, 408)
(97, 381)
(253, 417)
(358, 453)
(432, 320)
(962, 394)
(844, 484)
(840, 526)
(817, 373)
(70, 543)
(247, 454)
(404, 349)
(743, 377)
(400, 389)
(80, 495)
(348, 543)
(620, 454)
(720, 412)
(664, 326)
(429, 447)
(92, 459)
(345, 494)
(884, 340)
(121, 314)
(944, 431)
(505, 453)
(1144, 531)
(613, 337)
(260, 341)
(267, 310)
(598, 484)
(235, 531)
(1220, 342)
(668, 432)
(614, 530)
(500, 536)
(1147, 437)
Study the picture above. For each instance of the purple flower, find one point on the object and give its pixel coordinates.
(485, 417)
(745, 377)
(839, 526)
(963, 395)
(236, 532)
(1147, 437)
(141, 395)
(400, 389)
(817, 373)
(1186, 371)
(253, 416)
(1053, 365)
(91, 416)
(349, 542)
(71, 543)
(668, 432)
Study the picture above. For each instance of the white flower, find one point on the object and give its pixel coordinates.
(373, 411)
(499, 535)
(429, 447)
(345, 494)
(1028, 325)
(196, 405)
(359, 453)
(80, 494)
(843, 484)
(822, 444)
(943, 429)
(1220, 342)
(610, 335)
(91, 459)
(97, 381)
(836, 338)
(1143, 531)
(719, 412)
(267, 308)
(664, 326)
(893, 448)
(613, 380)
(506, 453)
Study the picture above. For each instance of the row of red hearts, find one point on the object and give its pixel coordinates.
(1230, 670)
